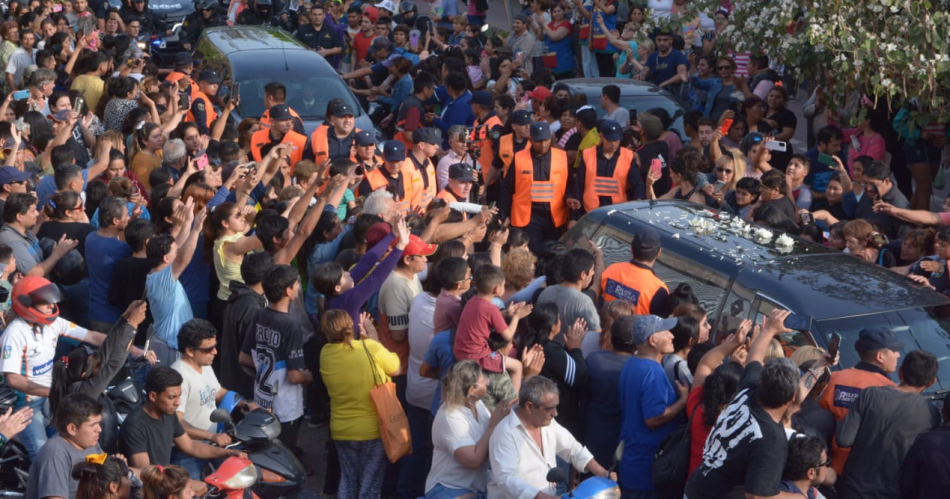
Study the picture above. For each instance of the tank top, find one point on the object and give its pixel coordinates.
(226, 269)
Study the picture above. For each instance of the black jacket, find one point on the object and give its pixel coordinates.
(195, 24)
(239, 313)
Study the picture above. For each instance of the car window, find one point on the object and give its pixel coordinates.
(789, 341)
(737, 308)
(308, 95)
(708, 286)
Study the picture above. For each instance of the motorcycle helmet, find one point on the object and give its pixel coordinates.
(206, 5)
(31, 291)
(408, 7)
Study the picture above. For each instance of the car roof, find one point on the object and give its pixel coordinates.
(230, 39)
(814, 279)
(627, 86)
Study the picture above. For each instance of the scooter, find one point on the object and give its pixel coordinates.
(234, 479)
(282, 474)
(594, 487)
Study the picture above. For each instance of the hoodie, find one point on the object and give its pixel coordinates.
(239, 314)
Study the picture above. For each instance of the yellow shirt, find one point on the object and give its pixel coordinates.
(349, 379)
(226, 270)
(91, 88)
(142, 165)
(590, 140)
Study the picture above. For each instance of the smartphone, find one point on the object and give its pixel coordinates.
(184, 101)
(834, 345)
(656, 167)
(879, 240)
(201, 162)
(776, 145)
(797, 322)
(718, 186)
(414, 36)
(78, 105)
(141, 45)
(726, 125)
(21, 95)
(93, 41)
(807, 218)
(827, 160)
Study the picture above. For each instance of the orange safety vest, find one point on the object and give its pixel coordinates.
(449, 199)
(262, 137)
(318, 141)
(528, 190)
(487, 156)
(210, 115)
(626, 281)
(614, 186)
(173, 78)
(506, 150)
(377, 180)
(421, 195)
(265, 118)
(842, 390)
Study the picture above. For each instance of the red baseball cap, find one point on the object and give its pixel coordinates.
(376, 233)
(539, 93)
(418, 247)
(371, 13)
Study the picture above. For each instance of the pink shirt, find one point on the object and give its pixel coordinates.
(448, 308)
(872, 146)
(478, 318)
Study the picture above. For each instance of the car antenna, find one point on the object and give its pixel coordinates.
(283, 52)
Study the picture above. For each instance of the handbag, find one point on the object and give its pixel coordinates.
(549, 59)
(393, 424)
(598, 42)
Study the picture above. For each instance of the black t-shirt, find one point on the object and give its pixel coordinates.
(55, 229)
(128, 285)
(141, 433)
(746, 448)
(277, 347)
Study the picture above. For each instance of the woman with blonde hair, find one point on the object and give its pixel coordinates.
(518, 266)
(146, 151)
(350, 368)
(460, 434)
(730, 167)
(166, 482)
(805, 353)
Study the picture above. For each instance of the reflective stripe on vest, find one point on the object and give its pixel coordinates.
(614, 187)
(528, 190)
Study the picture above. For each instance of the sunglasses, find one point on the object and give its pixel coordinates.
(723, 170)
(822, 465)
(208, 350)
(724, 68)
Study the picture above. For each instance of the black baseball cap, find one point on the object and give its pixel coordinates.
(540, 130)
(521, 117)
(877, 338)
(342, 109)
(646, 240)
(482, 98)
(621, 332)
(209, 76)
(462, 172)
(280, 112)
(426, 135)
(394, 150)
(184, 59)
(610, 130)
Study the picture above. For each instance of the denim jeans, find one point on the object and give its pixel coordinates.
(440, 491)
(36, 434)
(192, 465)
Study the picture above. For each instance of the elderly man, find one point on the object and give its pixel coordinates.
(527, 443)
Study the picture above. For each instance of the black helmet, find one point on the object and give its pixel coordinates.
(408, 6)
(206, 4)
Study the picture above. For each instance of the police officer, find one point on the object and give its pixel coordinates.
(505, 149)
(635, 280)
(459, 189)
(320, 36)
(608, 174)
(276, 93)
(206, 16)
(487, 127)
(150, 23)
(335, 141)
(202, 110)
(407, 14)
(280, 132)
(426, 144)
(261, 15)
(391, 176)
(534, 191)
(366, 156)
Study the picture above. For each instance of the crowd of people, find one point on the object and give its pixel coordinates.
(259, 265)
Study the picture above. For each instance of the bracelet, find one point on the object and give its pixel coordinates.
(3, 439)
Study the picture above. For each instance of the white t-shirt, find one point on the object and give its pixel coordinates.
(452, 430)
(199, 392)
(32, 355)
(419, 390)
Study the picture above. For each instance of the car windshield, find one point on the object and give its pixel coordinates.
(308, 95)
(642, 104)
(923, 328)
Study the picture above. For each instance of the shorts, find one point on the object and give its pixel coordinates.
(922, 152)
(440, 491)
(500, 390)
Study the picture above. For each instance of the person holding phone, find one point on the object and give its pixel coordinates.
(608, 173)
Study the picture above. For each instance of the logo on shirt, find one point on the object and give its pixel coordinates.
(621, 292)
(42, 368)
(845, 396)
(7, 352)
(735, 428)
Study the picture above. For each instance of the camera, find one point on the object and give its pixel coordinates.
(474, 138)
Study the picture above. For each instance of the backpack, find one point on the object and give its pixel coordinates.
(671, 462)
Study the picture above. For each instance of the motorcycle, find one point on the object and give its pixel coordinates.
(594, 487)
(282, 474)
(234, 479)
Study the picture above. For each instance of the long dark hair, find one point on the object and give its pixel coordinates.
(539, 324)
(718, 390)
(70, 369)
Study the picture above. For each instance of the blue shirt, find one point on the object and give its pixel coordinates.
(322, 253)
(47, 187)
(645, 392)
(94, 220)
(441, 356)
(104, 253)
(663, 68)
(169, 305)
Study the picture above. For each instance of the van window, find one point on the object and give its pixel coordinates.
(737, 308)
(709, 286)
(307, 94)
(789, 341)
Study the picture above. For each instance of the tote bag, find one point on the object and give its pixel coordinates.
(393, 424)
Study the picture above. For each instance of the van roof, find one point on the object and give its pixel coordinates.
(240, 38)
(826, 283)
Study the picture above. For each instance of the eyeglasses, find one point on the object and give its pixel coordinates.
(209, 349)
(822, 465)
(724, 68)
(723, 170)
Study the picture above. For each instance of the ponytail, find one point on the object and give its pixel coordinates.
(69, 369)
(159, 482)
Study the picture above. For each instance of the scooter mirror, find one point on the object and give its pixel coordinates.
(556, 475)
(618, 453)
(220, 416)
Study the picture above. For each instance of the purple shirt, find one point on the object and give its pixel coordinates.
(368, 277)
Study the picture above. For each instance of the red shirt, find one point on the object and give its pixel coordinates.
(698, 431)
(361, 45)
(478, 318)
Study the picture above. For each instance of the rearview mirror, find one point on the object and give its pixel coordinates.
(556, 475)
(220, 416)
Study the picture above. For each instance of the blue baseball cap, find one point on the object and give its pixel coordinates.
(9, 175)
(645, 326)
(540, 130)
(877, 338)
(646, 240)
(365, 138)
(610, 130)
(394, 150)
